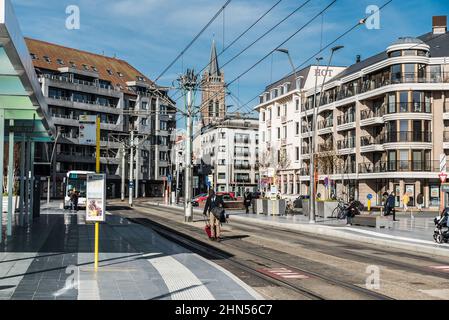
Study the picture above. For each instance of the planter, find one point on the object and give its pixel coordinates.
(323, 208)
(276, 207)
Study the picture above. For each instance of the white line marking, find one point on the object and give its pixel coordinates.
(182, 284)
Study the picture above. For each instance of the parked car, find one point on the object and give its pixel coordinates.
(199, 199)
(227, 196)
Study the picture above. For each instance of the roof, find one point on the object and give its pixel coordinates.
(21, 97)
(439, 47)
(290, 78)
(101, 63)
(214, 69)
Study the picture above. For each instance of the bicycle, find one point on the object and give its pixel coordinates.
(340, 210)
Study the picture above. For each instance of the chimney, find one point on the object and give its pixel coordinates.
(439, 24)
(358, 58)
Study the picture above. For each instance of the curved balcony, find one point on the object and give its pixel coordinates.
(408, 136)
(399, 166)
(372, 144)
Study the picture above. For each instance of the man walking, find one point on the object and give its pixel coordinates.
(420, 201)
(247, 198)
(213, 201)
(391, 205)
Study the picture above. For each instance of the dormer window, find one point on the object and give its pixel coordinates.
(60, 62)
(120, 74)
(33, 56)
(47, 59)
(72, 64)
(94, 69)
(109, 71)
(86, 67)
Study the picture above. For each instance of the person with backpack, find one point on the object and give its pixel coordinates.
(214, 209)
(74, 200)
(420, 201)
(391, 206)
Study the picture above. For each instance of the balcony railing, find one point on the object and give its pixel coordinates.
(399, 166)
(370, 140)
(346, 118)
(408, 136)
(368, 113)
(244, 141)
(77, 81)
(327, 123)
(324, 147)
(305, 150)
(409, 107)
(241, 154)
(346, 143)
(242, 166)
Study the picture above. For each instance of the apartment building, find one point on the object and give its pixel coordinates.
(280, 128)
(384, 122)
(227, 154)
(77, 83)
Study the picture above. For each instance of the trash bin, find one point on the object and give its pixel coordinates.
(37, 198)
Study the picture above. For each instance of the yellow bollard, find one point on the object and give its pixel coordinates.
(97, 231)
(369, 205)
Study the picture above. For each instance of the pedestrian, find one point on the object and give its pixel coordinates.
(385, 202)
(391, 208)
(420, 201)
(74, 200)
(247, 198)
(405, 201)
(213, 201)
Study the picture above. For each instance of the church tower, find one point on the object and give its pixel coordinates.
(213, 101)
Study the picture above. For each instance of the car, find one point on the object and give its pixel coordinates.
(199, 199)
(227, 196)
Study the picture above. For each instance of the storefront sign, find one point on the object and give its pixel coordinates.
(96, 198)
(434, 192)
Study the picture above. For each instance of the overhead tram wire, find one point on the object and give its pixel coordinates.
(279, 46)
(194, 39)
(327, 46)
(239, 37)
(267, 55)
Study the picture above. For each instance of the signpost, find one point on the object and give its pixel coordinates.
(442, 176)
(369, 197)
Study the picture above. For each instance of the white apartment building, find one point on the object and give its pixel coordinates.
(280, 129)
(229, 149)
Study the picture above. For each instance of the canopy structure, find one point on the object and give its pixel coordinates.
(24, 114)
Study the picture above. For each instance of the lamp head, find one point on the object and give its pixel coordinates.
(283, 50)
(336, 48)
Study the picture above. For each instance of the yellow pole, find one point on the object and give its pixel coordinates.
(97, 169)
(369, 205)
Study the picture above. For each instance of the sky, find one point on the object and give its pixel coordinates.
(149, 34)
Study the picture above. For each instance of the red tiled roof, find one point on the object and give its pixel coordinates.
(80, 58)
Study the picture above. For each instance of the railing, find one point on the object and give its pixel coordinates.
(241, 154)
(304, 172)
(244, 141)
(305, 150)
(324, 147)
(409, 107)
(346, 143)
(399, 166)
(77, 81)
(370, 140)
(242, 166)
(346, 168)
(284, 119)
(445, 136)
(327, 123)
(368, 113)
(346, 118)
(408, 136)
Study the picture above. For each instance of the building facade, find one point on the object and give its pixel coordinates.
(280, 129)
(77, 83)
(226, 155)
(384, 122)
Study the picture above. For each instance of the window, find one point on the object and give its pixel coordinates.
(94, 68)
(72, 64)
(403, 98)
(47, 59)
(33, 56)
(409, 72)
(163, 172)
(285, 132)
(297, 128)
(279, 133)
(279, 111)
(120, 74)
(144, 105)
(395, 54)
(297, 153)
(163, 156)
(435, 73)
(222, 176)
(297, 104)
(223, 135)
(392, 103)
(263, 115)
(144, 121)
(396, 73)
(109, 71)
(163, 125)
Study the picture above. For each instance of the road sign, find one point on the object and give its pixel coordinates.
(131, 184)
(326, 181)
(443, 162)
(369, 196)
(443, 177)
(88, 130)
(96, 198)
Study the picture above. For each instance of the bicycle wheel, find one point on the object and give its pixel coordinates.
(341, 214)
(335, 212)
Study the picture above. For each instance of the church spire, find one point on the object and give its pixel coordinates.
(214, 69)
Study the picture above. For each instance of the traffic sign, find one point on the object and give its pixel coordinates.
(369, 196)
(443, 177)
(131, 184)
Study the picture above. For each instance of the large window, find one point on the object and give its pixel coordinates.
(392, 103)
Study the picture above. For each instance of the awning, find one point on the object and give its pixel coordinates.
(21, 97)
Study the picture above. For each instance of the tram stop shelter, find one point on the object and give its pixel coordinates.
(24, 118)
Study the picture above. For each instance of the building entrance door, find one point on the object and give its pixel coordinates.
(410, 189)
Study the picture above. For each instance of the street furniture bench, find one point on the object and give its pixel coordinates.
(372, 221)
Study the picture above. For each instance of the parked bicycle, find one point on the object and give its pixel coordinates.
(340, 210)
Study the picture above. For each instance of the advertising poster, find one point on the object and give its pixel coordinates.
(87, 130)
(96, 199)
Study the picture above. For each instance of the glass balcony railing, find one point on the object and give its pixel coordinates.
(369, 113)
(409, 107)
(346, 143)
(327, 123)
(370, 140)
(399, 166)
(408, 136)
(346, 118)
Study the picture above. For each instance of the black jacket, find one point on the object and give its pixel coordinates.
(212, 204)
(247, 197)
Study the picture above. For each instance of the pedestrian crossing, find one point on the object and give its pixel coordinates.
(441, 268)
(283, 273)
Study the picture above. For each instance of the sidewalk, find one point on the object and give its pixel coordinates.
(53, 259)
(413, 234)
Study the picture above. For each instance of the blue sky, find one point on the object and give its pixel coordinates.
(150, 33)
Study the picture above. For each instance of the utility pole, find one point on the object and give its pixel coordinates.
(123, 154)
(188, 83)
(312, 212)
(131, 169)
(136, 184)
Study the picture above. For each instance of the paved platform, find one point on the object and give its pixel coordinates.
(408, 233)
(53, 259)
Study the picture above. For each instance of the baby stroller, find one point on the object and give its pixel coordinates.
(441, 232)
